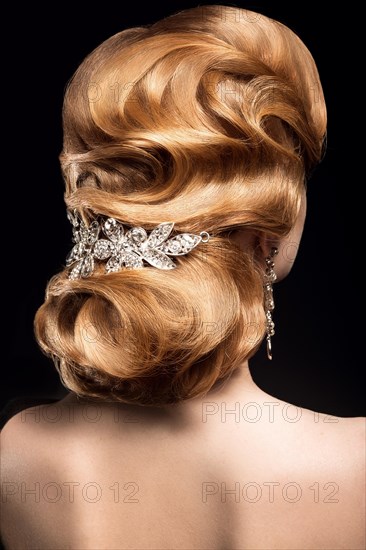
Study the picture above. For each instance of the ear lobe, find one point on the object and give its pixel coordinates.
(265, 243)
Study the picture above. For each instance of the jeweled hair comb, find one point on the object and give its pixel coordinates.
(125, 249)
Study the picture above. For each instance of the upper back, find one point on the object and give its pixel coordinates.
(254, 473)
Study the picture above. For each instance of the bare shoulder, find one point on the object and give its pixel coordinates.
(29, 426)
(25, 445)
(344, 437)
(45, 451)
(321, 443)
(339, 444)
(301, 471)
(326, 454)
(300, 464)
(33, 442)
(341, 447)
(21, 428)
(23, 455)
(43, 431)
(40, 440)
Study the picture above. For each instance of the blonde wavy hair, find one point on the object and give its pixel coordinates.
(211, 118)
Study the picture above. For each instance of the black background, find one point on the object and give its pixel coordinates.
(318, 332)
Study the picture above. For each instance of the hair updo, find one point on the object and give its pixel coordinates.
(211, 118)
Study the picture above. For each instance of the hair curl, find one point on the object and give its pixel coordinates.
(212, 118)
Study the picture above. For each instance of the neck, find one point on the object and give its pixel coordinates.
(238, 387)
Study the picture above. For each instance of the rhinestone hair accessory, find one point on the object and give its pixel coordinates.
(125, 249)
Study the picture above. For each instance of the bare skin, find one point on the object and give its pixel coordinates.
(236, 469)
(193, 476)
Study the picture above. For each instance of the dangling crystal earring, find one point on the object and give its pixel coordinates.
(269, 278)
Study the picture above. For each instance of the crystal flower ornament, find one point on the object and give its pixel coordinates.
(125, 249)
